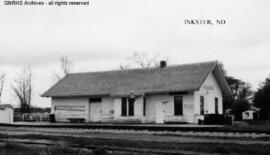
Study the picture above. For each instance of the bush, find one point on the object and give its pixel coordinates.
(214, 119)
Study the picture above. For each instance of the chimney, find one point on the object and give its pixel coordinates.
(163, 64)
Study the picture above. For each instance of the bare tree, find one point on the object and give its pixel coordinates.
(143, 60)
(2, 81)
(66, 66)
(23, 89)
(123, 67)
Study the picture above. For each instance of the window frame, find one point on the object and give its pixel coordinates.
(202, 104)
(127, 106)
(216, 105)
(177, 110)
(131, 102)
(95, 99)
(144, 106)
(124, 105)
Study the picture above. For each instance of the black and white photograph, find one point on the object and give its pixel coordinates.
(134, 77)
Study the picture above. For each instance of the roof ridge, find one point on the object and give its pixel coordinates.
(179, 77)
(150, 68)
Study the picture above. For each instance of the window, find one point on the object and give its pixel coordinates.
(202, 105)
(124, 107)
(69, 108)
(94, 100)
(127, 106)
(216, 105)
(144, 105)
(131, 106)
(178, 105)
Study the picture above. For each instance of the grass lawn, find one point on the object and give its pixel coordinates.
(18, 149)
(251, 125)
(102, 143)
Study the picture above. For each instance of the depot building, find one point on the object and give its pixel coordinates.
(178, 93)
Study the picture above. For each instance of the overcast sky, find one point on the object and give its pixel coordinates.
(102, 35)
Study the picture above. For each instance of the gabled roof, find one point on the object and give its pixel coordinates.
(178, 78)
(5, 106)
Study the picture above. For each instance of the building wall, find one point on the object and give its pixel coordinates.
(167, 101)
(107, 106)
(210, 89)
(66, 111)
(111, 109)
(111, 106)
(248, 115)
(152, 101)
(138, 110)
(6, 115)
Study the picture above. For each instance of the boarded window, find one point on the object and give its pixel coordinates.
(96, 99)
(124, 107)
(202, 105)
(144, 106)
(131, 106)
(69, 108)
(216, 105)
(178, 105)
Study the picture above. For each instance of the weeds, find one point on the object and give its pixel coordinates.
(64, 148)
(19, 149)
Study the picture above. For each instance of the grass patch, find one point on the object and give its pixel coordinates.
(249, 149)
(19, 149)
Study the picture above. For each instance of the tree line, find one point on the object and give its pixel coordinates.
(22, 85)
(244, 98)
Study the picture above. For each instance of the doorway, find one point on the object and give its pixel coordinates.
(94, 110)
(160, 112)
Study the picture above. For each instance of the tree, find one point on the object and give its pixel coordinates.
(241, 97)
(23, 89)
(2, 81)
(262, 99)
(65, 65)
(143, 60)
(223, 70)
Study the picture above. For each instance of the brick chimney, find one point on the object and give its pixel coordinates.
(163, 64)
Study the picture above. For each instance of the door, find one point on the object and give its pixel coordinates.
(95, 111)
(159, 112)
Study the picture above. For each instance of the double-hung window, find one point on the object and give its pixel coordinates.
(178, 105)
(144, 106)
(202, 105)
(124, 106)
(216, 105)
(127, 107)
(131, 106)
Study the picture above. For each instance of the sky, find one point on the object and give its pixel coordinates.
(102, 35)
